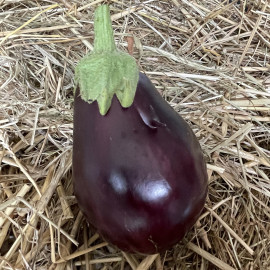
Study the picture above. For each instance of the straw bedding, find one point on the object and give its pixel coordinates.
(209, 59)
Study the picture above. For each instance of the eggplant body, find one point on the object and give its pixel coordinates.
(139, 174)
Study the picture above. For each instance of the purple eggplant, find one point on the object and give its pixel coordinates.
(138, 170)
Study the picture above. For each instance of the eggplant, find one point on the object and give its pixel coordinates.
(139, 174)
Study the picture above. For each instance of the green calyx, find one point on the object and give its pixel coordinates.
(106, 71)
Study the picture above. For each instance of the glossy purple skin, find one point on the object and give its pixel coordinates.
(139, 174)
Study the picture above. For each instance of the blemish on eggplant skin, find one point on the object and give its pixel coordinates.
(134, 223)
(123, 135)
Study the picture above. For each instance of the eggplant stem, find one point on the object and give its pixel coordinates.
(104, 39)
(105, 71)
